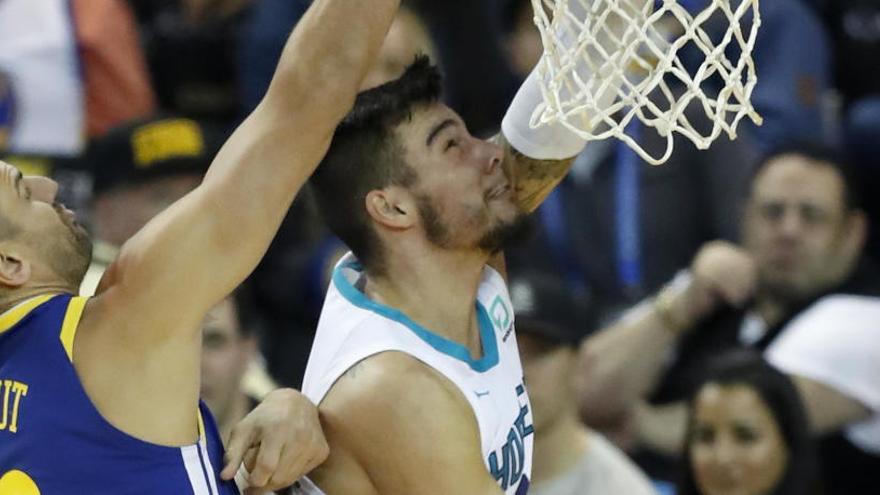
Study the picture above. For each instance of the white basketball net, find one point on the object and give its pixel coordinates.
(607, 62)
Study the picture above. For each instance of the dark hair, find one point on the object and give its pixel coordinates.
(365, 155)
(745, 367)
(824, 156)
(247, 314)
(510, 10)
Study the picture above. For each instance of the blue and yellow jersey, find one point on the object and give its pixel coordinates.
(52, 438)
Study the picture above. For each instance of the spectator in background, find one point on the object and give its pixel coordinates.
(617, 228)
(803, 239)
(52, 100)
(748, 433)
(570, 459)
(228, 348)
(832, 350)
(855, 31)
(117, 85)
(41, 88)
(69, 71)
(194, 51)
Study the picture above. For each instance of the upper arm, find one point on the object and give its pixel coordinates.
(407, 427)
(827, 409)
(196, 251)
(534, 179)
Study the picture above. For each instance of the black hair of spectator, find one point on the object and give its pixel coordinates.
(820, 155)
(745, 367)
(510, 12)
(365, 155)
(243, 298)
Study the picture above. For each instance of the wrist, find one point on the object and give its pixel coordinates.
(672, 305)
(547, 142)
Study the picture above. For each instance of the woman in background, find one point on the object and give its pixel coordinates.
(748, 433)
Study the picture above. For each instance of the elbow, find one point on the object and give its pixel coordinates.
(600, 409)
(599, 400)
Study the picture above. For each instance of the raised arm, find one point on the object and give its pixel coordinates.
(625, 360)
(538, 159)
(204, 245)
(138, 344)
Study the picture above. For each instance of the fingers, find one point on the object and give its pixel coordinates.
(278, 442)
(250, 459)
(266, 462)
(727, 271)
(240, 441)
(319, 452)
(297, 460)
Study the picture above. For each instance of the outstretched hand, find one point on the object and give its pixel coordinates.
(278, 442)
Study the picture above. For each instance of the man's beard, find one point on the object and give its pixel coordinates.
(788, 292)
(71, 256)
(495, 239)
(506, 234)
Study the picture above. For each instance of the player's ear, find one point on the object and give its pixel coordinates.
(15, 271)
(392, 207)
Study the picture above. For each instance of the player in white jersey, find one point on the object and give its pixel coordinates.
(354, 328)
(415, 363)
(415, 366)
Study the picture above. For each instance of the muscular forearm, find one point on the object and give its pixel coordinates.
(314, 86)
(624, 362)
(256, 175)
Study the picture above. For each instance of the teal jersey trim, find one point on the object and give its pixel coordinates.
(441, 344)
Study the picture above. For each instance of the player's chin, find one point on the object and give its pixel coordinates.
(504, 208)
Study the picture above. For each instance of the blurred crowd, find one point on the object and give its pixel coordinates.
(705, 326)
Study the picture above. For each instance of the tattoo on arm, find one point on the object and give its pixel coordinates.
(533, 178)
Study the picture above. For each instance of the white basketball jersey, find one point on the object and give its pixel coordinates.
(352, 328)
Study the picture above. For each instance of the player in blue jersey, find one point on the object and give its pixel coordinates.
(100, 395)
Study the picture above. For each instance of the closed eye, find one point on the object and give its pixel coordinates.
(450, 144)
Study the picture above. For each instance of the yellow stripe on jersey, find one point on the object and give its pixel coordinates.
(71, 322)
(10, 318)
(201, 426)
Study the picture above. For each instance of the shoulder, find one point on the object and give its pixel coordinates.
(391, 384)
(835, 316)
(393, 400)
(838, 326)
(836, 342)
(407, 427)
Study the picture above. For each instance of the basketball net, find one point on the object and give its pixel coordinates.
(608, 62)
